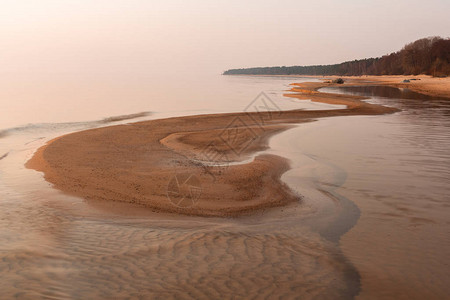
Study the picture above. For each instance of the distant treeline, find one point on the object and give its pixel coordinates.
(425, 56)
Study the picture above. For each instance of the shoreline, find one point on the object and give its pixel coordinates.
(163, 164)
(425, 84)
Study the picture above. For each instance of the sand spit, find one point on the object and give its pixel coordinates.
(188, 165)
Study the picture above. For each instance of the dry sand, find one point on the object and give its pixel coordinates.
(169, 165)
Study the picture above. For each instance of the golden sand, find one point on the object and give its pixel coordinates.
(188, 164)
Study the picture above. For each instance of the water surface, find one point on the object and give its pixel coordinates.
(373, 218)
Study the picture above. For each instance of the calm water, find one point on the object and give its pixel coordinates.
(374, 218)
(64, 99)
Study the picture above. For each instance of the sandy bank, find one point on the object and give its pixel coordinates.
(187, 164)
(424, 84)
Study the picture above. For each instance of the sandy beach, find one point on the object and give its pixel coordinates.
(424, 84)
(188, 165)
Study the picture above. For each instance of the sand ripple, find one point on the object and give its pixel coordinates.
(107, 260)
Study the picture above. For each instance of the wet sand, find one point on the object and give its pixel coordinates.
(188, 165)
(267, 254)
(424, 84)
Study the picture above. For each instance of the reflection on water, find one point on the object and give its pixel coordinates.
(398, 173)
(383, 91)
(398, 97)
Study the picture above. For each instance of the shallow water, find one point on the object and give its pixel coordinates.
(374, 214)
(57, 246)
(398, 170)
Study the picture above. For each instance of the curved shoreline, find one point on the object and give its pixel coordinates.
(158, 163)
(424, 84)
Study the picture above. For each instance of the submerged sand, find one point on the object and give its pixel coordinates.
(141, 163)
(188, 165)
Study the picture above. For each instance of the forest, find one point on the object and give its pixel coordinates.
(430, 56)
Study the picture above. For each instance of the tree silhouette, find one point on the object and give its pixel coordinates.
(425, 56)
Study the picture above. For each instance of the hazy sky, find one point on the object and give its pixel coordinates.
(138, 36)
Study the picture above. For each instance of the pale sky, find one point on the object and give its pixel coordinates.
(137, 36)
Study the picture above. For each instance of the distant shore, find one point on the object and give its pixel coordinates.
(425, 84)
(428, 85)
(201, 165)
